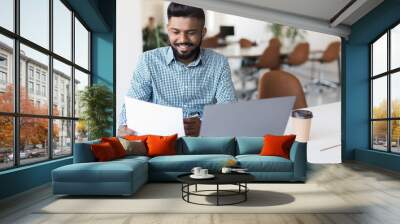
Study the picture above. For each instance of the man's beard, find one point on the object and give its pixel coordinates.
(193, 53)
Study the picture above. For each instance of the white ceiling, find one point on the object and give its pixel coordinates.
(314, 15)
(321, 9)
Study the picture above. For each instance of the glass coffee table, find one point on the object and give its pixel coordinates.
(238, 179)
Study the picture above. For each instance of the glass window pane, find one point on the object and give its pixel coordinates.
(7, 14)
(35, 21)
(81, 81)
(33, 140)
(395, 136)
(395, 47)
(379, 98)
(81, 45)
(379, 55)
(6, 142)
(62, 89)
(81, 131)
(34, 97)
(379, 135)
(6, 74)
(395, 94)
(62, 29)
(62, 138)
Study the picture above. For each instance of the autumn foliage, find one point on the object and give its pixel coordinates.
(380, 127)
(33, 130)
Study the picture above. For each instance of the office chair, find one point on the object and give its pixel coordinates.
(269, 59)
(299, 55)
(279, 83)
(246, 43)
(331, 53)
(210, 42)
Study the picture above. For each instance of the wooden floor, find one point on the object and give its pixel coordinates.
(377, 188)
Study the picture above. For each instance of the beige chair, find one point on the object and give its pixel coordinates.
(331, 54)
(210, 42)
(299, 55)
(279, 83)
(269, 59)
(245, 43)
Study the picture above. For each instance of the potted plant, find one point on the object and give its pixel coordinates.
(286, 34)
(96, 102)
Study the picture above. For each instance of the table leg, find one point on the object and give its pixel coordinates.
(245, 193)
(217, 194)
(196, 187)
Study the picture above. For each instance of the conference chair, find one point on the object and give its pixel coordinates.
(210, 42)
(270, 59)
(278, 83)
(246, 43)
(331, 54)
(299, 55)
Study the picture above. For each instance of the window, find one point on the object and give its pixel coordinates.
(6, 73)
(40, 81)
(30, 87)
(37, 75)
(38, 89)
(30, 72)
(3, 61)
(35, 22)
(7, 14)
(44, 91)
(81, 45)
(3, 72)
(385, 91)
(43, 77)
(3, 78)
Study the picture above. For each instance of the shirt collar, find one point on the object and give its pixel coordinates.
(170, 57)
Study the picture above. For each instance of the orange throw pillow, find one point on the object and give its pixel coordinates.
(161, 145)
(116, 145)
(142, 138)
(277, 145)
(103, 152)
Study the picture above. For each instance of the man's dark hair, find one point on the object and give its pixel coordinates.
(178, 10)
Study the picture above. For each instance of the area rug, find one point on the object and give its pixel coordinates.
(167, 198)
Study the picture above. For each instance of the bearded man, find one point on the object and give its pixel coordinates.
(183, 74)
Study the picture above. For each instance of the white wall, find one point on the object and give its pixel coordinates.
(257, 30)
(129, 45)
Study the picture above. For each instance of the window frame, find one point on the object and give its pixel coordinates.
(16, 114)
(388, 74)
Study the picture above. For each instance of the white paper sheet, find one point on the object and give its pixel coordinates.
(149, 118)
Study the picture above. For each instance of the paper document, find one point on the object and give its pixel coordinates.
(149, 118)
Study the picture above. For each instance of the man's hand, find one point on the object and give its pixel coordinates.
(123, 130)
(192, 126)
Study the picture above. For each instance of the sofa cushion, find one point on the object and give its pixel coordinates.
(185, 163)
(83, 152)
(103, 152)
(111, 171)
(206, 145)
(249, 145)
(161, 145)
(116, 145)
(257, 163)
(277, 145)
(134, 147)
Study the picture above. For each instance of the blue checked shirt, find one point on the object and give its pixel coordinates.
(161, 79)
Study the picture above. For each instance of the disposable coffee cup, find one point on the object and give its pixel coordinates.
(301, 120)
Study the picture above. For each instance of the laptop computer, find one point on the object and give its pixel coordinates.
(251, 118)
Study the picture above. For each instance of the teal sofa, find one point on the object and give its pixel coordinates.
(125, 176)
